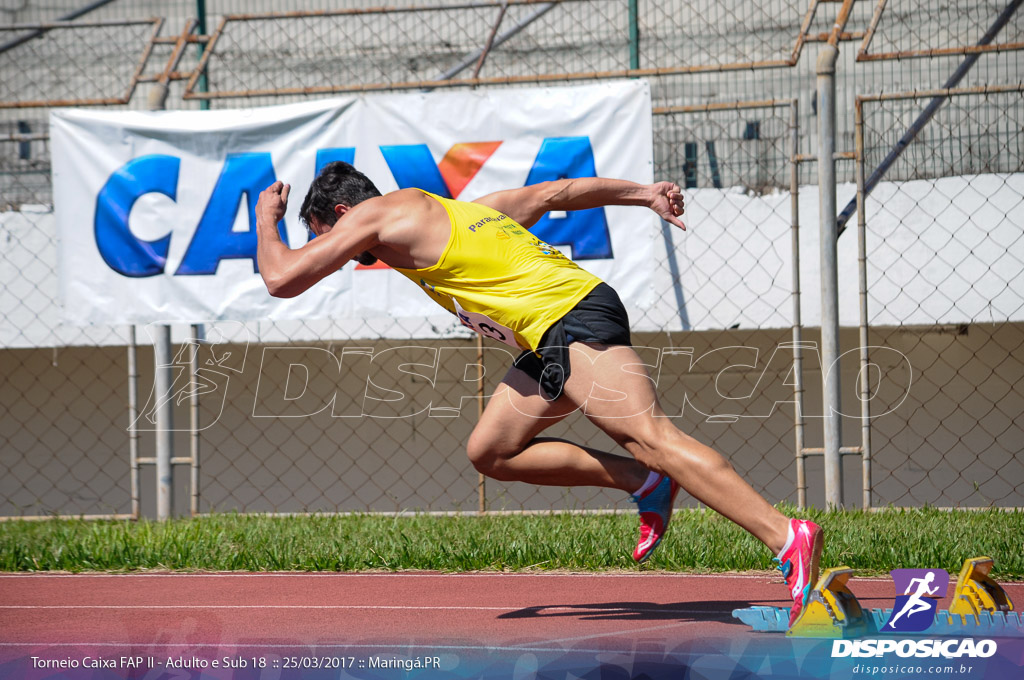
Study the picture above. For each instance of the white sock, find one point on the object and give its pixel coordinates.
(652, 481)
(789, 540)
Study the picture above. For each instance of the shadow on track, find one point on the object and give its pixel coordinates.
(714, 610)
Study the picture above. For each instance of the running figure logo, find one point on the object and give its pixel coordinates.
(914, 611)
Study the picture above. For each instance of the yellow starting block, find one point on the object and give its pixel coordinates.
(832, 611)
(980, 607)
(976, 592)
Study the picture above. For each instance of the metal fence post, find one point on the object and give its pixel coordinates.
(481, 488)
(163, 380)
(204, 104)
(826, 77)
(862, 275)
(133, 414)
(193, 384)
(164, 405)
(634, 35)
(798, 370)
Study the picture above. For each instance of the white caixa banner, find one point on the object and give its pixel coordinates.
(155, 210)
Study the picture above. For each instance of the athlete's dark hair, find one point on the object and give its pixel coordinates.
(338, 183)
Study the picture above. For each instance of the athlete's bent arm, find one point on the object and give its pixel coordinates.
(528, 204)
(288, 272)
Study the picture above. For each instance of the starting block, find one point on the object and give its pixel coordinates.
(832, 611)
(976, 592)
(980, 606)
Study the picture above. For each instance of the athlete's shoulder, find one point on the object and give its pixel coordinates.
(393, 200)
(405, 216)
(401, 195)
(386, 208)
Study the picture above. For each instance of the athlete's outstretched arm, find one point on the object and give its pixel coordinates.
(288, 272)
(529, 204)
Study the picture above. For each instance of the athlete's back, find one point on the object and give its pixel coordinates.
(501, 280)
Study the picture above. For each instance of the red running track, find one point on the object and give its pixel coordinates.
(604, 611)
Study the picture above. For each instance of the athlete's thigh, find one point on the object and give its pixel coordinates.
(613, 387)
(518, 411)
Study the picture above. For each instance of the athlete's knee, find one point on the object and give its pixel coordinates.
(480, 451)
(711, 463)
(649, 441)
(657, 442)
(701, 460)
(487, 453)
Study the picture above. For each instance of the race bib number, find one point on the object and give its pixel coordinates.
(486, 326)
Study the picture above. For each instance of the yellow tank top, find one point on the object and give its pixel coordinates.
(499, 279)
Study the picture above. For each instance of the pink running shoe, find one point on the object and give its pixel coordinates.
(799, 564)
(655, 508)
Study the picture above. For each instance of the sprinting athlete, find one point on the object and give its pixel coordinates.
(479, 261)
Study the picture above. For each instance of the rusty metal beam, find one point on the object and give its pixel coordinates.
(841, 20)
(178, 52)
(37, 137)
(942, 52)
(490, 40)
(801, 37)
(304, 14)
(192, 39)
(941, 92)
(872, 27)
(173, 75)
(474, 82)
(211, 45)
(58, 103)
(824, 37)
(204, 62)
(54, 25)
(723, 106)
(141, 66)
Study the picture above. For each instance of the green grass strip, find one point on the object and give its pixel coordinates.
(698, 541)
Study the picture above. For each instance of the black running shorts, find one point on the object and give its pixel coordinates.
(599, 318)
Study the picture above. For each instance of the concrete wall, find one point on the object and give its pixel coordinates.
(952, 439)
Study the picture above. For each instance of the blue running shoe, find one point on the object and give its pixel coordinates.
(655, 508)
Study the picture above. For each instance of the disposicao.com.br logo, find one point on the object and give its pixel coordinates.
(948, 648)
(914, 612)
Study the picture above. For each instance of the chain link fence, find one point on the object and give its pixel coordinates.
(64, 388)
(733, 90)
(99, 62)
(946, 272)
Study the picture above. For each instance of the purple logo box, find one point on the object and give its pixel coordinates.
(917, 592)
